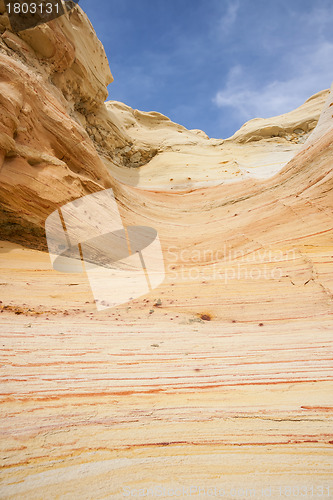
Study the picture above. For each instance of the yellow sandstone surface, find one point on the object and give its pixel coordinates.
(219, 378)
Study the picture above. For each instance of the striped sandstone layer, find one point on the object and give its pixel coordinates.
(222, 376)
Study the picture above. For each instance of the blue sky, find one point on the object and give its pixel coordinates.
(214, 64)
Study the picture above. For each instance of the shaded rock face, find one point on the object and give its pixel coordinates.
(54, 127)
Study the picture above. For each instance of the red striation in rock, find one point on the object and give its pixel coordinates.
(227, 381)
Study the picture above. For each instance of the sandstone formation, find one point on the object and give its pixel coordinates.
(55, 126)
(221, 376)
(188, 159)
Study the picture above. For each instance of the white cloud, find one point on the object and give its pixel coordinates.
(318, 19)
(229, 18)
(309, 71)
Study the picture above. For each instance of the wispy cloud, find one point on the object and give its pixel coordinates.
(309, 72)
(319, 19)
(228, 19)
(298, 70)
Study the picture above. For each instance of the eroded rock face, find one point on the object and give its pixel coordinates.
(54, 127)
(188, 159)
(224, 371)
(60, 141)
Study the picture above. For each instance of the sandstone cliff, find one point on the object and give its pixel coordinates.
(221, 376)
(59, 140)
(54, 124)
